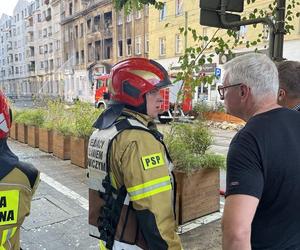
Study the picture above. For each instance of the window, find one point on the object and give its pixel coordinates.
(39, 18)
(76, 31)
(77, 57)
(81, 30)
(82, 56)
(70, 9)
(50, 47)
(40, 33)
(138, 42)
(178, 7)
(66, 36)
(58, 44)
(129, 47)
(120, 48)
(120, 17)
(50, 31)
(45, 48)
(41, 65)
(178, 44)
(51, 64)
(58, 62)
(20, 57)
(163, 12)
(138, 14)
(147, 43)
(45, 32)
(16, 57)
(162, 46)
(128, 18)
(88, 23)
(146, 10)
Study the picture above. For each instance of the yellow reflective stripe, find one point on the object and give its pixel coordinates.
(150, 193)
(148, 183)
(101, 245)
(149, 188)
(6, 235)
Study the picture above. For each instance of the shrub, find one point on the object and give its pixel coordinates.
(22, 116)
(84, 115)
(188, 143)
(58, 117)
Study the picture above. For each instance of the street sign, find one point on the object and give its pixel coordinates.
(218, 72)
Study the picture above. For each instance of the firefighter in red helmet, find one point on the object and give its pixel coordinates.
(18, 182)
(129, 168)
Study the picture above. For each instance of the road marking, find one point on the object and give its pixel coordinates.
(81, 201)
(201, 221)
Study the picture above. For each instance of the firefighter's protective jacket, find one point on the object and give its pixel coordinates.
(138, 161)
(18, 182)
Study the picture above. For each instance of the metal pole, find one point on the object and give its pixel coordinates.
(279, 33)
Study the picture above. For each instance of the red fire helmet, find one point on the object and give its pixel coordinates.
(132, 78)
(4, 116)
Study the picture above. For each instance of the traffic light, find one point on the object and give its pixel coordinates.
(210, 14)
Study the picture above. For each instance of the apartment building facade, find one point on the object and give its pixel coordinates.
(5, 48)
(44, 48)
(95, 37)
(14, 73)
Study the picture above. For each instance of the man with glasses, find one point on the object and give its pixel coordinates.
(289, 84)
(263, 162)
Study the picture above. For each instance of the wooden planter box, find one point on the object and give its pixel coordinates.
(61, 146)
(13, 132)
(33, 136)
(79, 151)
(221, 117)
(22, 133)
(197, 194)
(46, 140)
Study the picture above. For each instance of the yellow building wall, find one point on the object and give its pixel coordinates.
(158, 29)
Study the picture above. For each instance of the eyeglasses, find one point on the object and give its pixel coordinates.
(221, 89)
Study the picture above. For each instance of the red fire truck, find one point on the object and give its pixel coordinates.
(168, 105)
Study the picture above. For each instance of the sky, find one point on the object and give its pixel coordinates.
(7, 6)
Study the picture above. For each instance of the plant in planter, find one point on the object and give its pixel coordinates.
(35, 120)
(22, 119)
(196, 171)
(62, 122)
(46, 129)
(84, 117)
(13, 132)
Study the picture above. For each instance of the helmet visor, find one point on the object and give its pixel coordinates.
(154, 79)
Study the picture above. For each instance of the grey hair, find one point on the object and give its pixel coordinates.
(289, 77)
(255, 70)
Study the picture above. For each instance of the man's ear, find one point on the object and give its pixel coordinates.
(281, 94)
(244, 91)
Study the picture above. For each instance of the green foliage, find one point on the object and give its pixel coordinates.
(130, 5)
(58, 118)
(36, 117)
(84, 116)
(188, 143)
(22, 116)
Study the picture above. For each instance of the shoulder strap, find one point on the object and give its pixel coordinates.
(29, 170)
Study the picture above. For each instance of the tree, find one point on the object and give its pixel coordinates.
(207, 47)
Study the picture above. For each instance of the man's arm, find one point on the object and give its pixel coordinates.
(238, 214)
